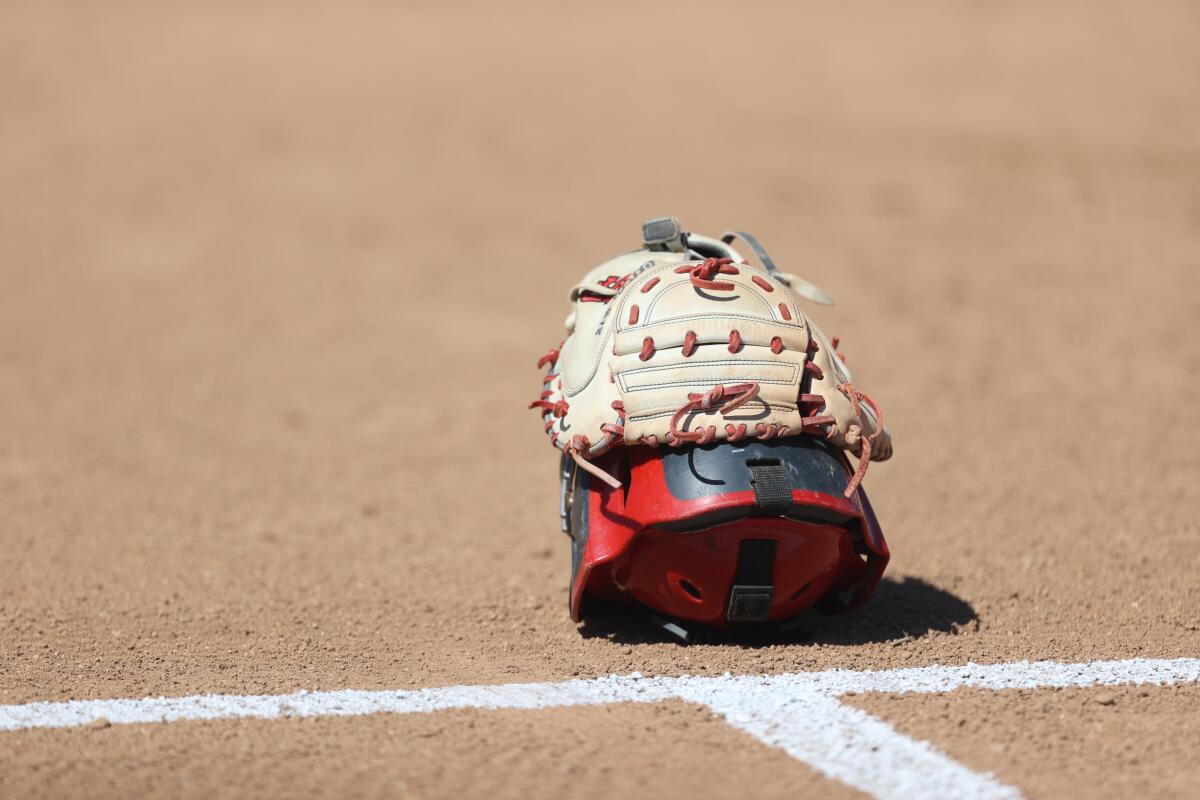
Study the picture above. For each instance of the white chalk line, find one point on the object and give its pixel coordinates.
(796, 712)
(851, 746)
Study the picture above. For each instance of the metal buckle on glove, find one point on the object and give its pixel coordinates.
(663, 233)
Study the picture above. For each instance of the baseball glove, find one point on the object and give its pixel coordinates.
(685, 341)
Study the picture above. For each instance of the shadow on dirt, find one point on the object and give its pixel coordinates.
(899, 611)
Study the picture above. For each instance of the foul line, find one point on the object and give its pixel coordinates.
(798, 712)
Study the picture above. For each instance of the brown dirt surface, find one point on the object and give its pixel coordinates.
(1129, 741)
(273, 278)
(634, 752)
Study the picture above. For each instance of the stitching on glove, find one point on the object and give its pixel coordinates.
(762, 283)
(550, 358)
(647, 349)
(735, 341)
(689, 344)
(702, 274)
(576, 448)
(854, 433)
(740, 394)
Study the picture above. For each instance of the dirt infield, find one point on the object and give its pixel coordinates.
(273, 278)
(635, 751)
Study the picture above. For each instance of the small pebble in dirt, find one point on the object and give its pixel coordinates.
(99, 723)
(1106, 699)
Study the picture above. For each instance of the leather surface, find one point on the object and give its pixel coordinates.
(627, 362)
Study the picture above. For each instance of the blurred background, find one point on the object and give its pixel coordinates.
(274, 276)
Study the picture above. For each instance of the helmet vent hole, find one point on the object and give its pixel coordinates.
(690, 588)
(801, 590)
